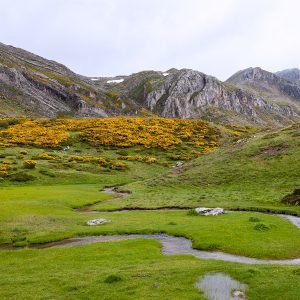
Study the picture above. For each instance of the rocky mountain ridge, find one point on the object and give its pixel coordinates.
(292, 75)
(267, 85)
(33, 86)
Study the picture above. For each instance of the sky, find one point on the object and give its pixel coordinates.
(116, 37)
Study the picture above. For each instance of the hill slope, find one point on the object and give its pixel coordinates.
(253, 172)
(33, 86)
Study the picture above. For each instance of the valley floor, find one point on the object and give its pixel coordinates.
(249, 177)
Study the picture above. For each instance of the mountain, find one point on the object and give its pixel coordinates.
(292, 75)
(271, 87)
(191, 94)
(33, 86)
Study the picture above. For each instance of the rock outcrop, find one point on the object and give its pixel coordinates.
(192, 94)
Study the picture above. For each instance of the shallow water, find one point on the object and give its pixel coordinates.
(220, 286)
(171, 246)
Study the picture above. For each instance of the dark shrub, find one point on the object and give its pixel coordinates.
(13, 122)
(112, 279)
(123, 152)
(192, 212)
(3, 124)
(46, 173)
(21, 177)
(293, 199)
(261, 227)
(254, 219)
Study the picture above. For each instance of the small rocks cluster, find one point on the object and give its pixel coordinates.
(209, 211)
(97, 222)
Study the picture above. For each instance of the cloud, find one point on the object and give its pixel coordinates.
(110, 37)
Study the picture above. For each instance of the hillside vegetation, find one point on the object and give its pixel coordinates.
(251, 173)
(52, 172)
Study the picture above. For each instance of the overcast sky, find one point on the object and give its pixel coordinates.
(112, 37)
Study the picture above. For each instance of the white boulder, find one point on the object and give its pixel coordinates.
(209, 211)
(97, 222)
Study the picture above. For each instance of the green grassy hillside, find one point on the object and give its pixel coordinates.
(251, 173)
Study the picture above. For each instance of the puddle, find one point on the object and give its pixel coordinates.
(220, 286)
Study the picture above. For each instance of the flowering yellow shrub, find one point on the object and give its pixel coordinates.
(48, 156)
(99, 160)
(84, 159)
(33, 132)
(150, 133)
(4, 170)
(112, 132)
(29, 164)
(117, 165)
(23, 152)
(147, 159)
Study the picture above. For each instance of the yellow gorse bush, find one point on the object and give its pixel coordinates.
(29, 164)
(99, 160)
(147, 159)
(48, 156)
(35, 133)
(150, 133)
(4, 170)
(111, 132)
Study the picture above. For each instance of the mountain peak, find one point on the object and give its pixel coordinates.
(292, 75)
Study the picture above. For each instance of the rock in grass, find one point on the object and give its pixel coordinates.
(97, 222)
(204, 211)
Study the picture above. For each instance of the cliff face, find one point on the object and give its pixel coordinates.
(33, 86)
(192, 94)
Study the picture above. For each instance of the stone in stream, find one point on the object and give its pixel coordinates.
(97, 222)
(209, 211)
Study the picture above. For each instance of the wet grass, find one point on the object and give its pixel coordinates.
(35, 214)
(81, 273)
